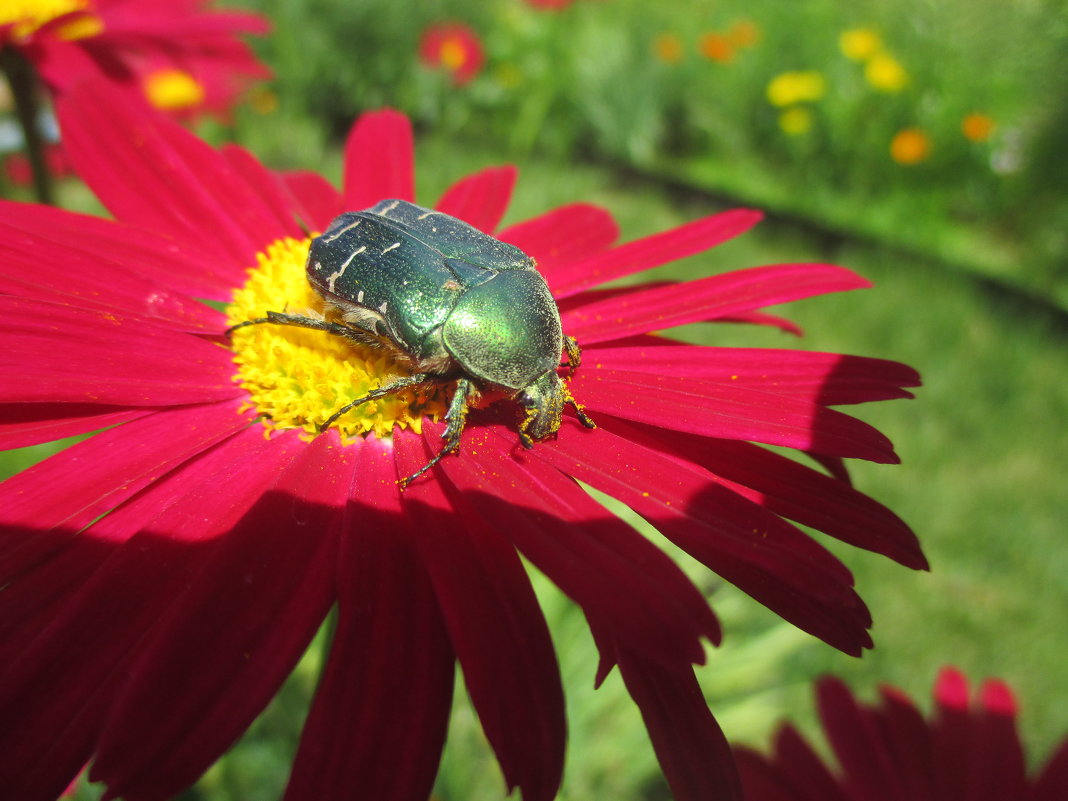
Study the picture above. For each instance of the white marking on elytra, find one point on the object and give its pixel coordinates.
(348, 227)
(391, 247)
(382, 308)
(426, 214)
(359, 296)
(332, 278)
(390, 207)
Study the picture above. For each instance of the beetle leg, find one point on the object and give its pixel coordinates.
(374, 394)
(456, 418)
(574, 354)
(580, 410)
(581, 413)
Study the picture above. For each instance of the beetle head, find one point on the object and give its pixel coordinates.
(544, 400)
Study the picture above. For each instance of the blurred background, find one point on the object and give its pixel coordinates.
(923, 144)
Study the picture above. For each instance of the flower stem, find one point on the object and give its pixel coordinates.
(23, 80)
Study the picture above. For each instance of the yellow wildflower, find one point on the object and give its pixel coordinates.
(789, 88)
(885, 73)
(796, 120)
(859, 44)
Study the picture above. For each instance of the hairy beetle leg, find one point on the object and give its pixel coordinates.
(303, 321)
(456, 417)
(381, 392)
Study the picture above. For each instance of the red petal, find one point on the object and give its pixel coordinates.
(569, 233)
(277, 200)
(688, 742)
(127, 154)
(829, 379)
(57, 352)
(834, 465)
(1052, 782)
(802, 768)
(236, 631)
(497, 629)
(760, 778)
(708, 298)
(952, 733)
(31, 424)
(139, 254)
(792, 490)
(762, 318)
(616, 575)
(65, 673)
(867, 763)
(87, 280)
(316, 200)
(909, 738)
(384, 697)
(719, 409)
(996, 769)
(748, 546)
(379, 160)
(652, 251)
(480, 199)
(97, 475)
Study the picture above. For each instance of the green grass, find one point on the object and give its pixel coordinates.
(981, 484)
(997, 206)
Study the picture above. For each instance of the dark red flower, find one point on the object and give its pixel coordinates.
(967, 749)
(453, 47)
(122, 41)
(161, 578)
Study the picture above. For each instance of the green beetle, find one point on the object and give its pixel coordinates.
(458, 305)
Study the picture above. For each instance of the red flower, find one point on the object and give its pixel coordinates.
(123, 40)
(966, 749)
(17, 165)
(161, 578)
(453, 47)
(551, 5)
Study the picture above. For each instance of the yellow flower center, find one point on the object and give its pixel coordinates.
(27, 16)
(172, 89)
(298, 377)
(453, 54)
